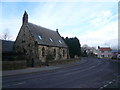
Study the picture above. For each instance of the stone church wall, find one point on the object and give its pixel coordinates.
(25, 44)
(57, 52)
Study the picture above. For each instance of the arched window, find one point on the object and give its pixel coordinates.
(43, 51)
(55, 52)
(63, 53)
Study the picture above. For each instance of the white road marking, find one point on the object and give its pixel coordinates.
(92, 66)
(7, 85)
(105, 85)
(113, 80)
(101, 88)
(67, 74)
(19, 83)
(16, 84)
(110, 82)
(80, 71)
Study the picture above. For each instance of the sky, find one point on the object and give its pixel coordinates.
(93, 23)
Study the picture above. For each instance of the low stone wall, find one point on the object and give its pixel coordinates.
(11, 65)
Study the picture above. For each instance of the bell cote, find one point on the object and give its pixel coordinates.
(25, 18)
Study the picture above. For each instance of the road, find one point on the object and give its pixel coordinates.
(93, 73)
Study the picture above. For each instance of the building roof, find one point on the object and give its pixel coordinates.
(7, 46)
(45, 36)
(114, 50)
(105, 49)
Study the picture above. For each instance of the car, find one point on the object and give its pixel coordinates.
(118, 56)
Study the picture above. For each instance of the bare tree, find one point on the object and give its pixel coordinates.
(88, 50)
(6, 35)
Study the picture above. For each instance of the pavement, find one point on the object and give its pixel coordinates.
(40, 69)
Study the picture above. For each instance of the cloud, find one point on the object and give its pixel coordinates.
(55, 15)
(102, 35)
(102, 18)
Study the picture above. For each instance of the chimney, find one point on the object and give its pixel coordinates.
(98, 47)
(57, 30)
(25, 18)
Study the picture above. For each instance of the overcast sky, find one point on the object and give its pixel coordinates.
(93, 23)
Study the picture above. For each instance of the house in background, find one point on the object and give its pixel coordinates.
(114, 53)
(104, 52)
(37, 42)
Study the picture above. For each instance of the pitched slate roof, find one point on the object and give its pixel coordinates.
(105, 49)
(7, 46)
(46, 36)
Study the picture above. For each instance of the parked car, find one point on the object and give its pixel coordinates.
(118, 56)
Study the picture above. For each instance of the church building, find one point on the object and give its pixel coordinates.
(36, 42)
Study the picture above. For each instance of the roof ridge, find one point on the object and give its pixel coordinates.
(41, 26)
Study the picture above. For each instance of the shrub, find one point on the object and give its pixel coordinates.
(49, 57)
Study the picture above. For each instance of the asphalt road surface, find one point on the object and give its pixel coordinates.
(93, 73)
